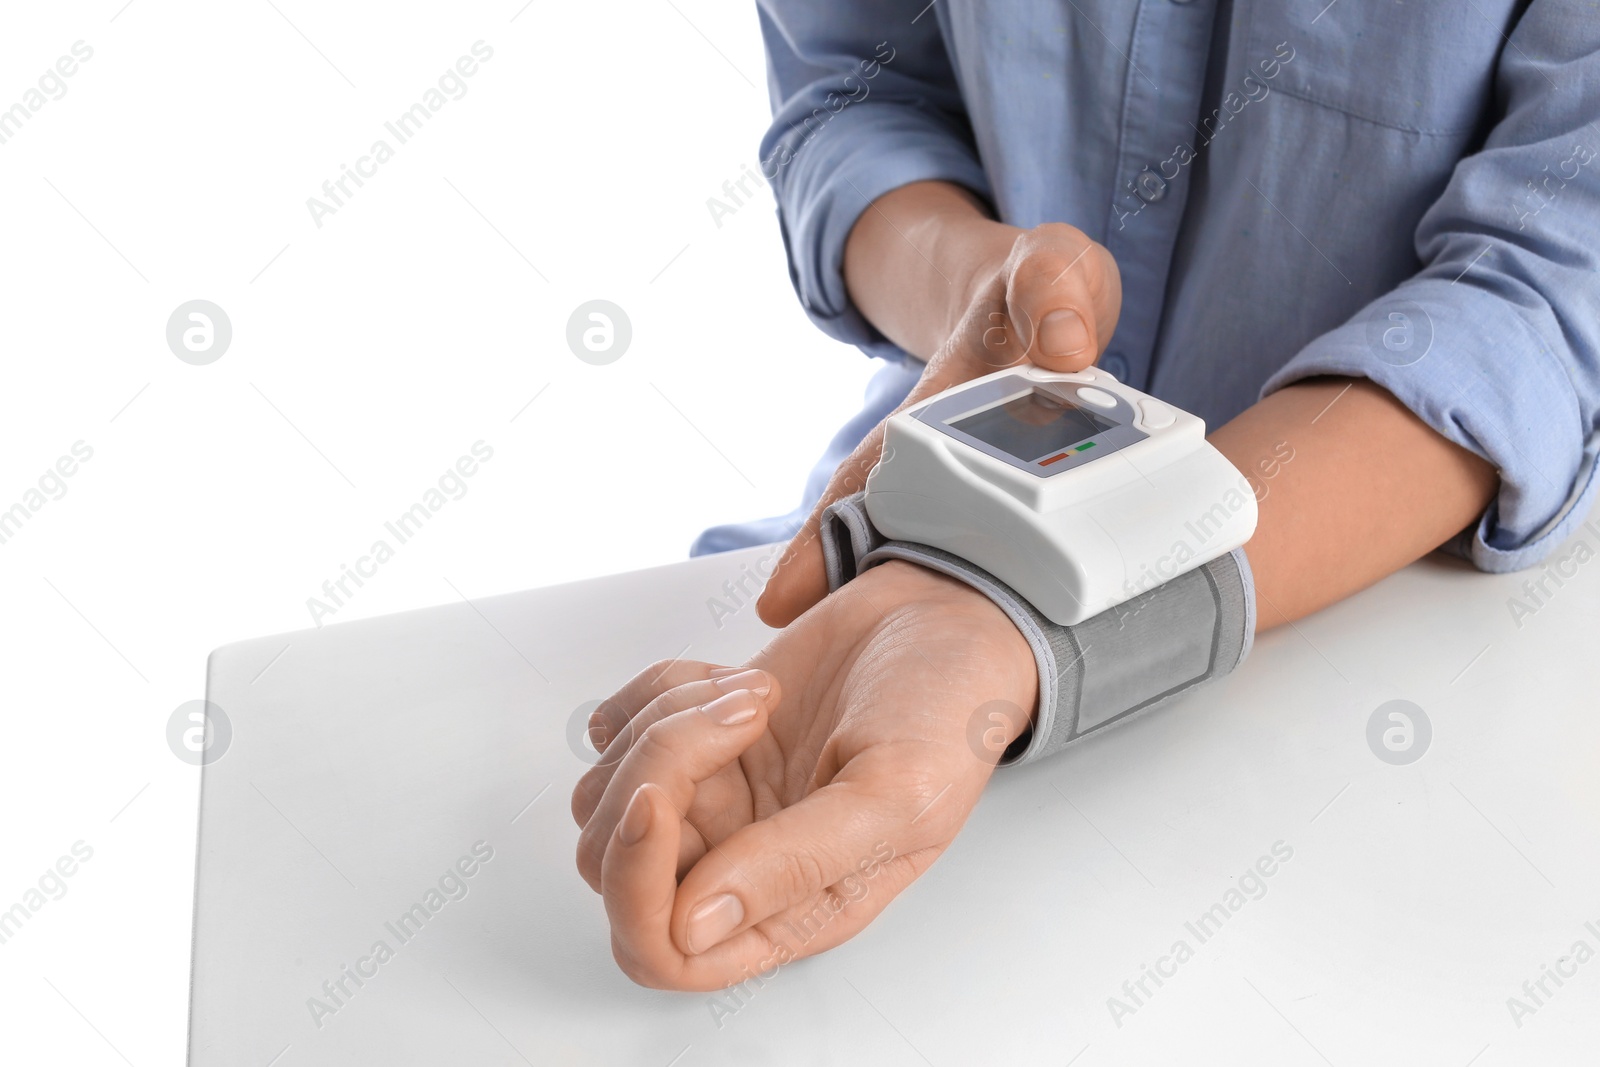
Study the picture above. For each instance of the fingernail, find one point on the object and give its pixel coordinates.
(597, 729)
(713, 920)
(1063, 333)
(636, 820)
(753, 680)
(732, 709)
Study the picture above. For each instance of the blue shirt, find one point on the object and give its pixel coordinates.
(1406, 192)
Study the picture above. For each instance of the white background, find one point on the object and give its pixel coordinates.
(367, 356)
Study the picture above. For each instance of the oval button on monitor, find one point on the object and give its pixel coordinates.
(1155, 415)
(1098, 397)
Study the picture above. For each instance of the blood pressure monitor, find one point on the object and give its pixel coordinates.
(1074, 489)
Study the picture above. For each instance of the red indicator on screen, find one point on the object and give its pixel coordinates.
(1053, 459)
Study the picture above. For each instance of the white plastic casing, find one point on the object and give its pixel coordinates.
(1077, 542)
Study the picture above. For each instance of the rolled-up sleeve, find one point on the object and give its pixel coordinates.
(1495, 343)
(864, 101)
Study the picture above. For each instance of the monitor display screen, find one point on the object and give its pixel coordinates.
(1032, 426)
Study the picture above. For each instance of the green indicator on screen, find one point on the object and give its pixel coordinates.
(1084, 447)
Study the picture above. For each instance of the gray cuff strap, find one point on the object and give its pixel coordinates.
(847, 537)
(1109, 668)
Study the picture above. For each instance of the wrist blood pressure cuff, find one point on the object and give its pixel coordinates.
(1108, 668)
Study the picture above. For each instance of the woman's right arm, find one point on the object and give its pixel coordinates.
(933, 273)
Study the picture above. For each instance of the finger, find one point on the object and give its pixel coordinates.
(614, 713)
(610, 720)
(638, 873)
(592, 786)
(640, 892)
(800, 578)
(1063, 297)
(639, 853)
(675, 753)
(793, 857)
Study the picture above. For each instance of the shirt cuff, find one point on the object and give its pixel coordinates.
(1467, 363)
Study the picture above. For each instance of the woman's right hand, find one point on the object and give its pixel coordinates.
(1048, 296)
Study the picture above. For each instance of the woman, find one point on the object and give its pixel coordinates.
(1364, 236)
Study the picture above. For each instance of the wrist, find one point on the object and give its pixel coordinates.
(995, 639)
(917, 258)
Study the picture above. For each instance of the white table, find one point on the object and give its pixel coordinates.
(369, 757)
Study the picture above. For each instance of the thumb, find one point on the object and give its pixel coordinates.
(800, 579)
(1063, 297)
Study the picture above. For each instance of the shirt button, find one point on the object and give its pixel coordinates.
(1114, 364)
(1150, 186)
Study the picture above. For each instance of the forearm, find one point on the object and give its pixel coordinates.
(1368, 489)
(914, 258)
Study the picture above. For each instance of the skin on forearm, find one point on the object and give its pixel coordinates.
(1370, 488)
(915, 258)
